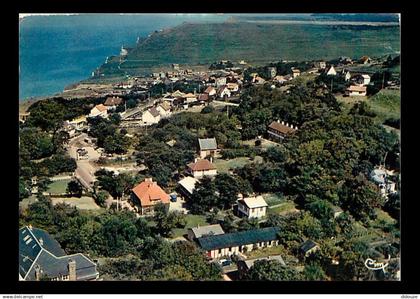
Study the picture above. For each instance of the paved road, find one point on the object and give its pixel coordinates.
(226, 103)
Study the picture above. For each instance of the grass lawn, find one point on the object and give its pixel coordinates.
(283, 208)
(225, 165)
(273, 198)
(58, 187)
(192, 221)
(83, 203)
(269, 251)
(386, 104)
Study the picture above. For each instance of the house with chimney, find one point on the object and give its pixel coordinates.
(211, 91)
(147, 194)
(331, 71)
(202, 167)
(151, 116)
(186, 186)
(252, 207)
(223, 92)
(42, 258)
(207, 147)
(279, 130)
(295, 73)
(320, 65)
(164, 109)
(99, 111)
(201, 231)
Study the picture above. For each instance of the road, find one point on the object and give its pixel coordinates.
(85, 170)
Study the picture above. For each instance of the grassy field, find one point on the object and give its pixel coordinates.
(273, 199)
(256, 43)
(58, 187)
(264, 252)
(192, 221)
(83, 203)
(386, 104)
(283, 208)
(225, 165)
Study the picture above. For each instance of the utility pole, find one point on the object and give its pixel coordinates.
(332, 78)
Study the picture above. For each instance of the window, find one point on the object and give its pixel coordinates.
(261, 209)
(220, 250)
(230, 248)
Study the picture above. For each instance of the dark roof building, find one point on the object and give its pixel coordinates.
(308, 247)
(238, 238)
(207, 144)
(40, 255)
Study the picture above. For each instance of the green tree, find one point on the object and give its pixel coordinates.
(74, 188)
(271, 270)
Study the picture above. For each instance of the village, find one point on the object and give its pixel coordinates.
(144, 107)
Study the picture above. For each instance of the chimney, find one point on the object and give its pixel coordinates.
(41, 241)
(282, 122)
(211, 159)
(195, 160)
(278, 120)
(291, 126)
(296, 128)
(148, 180)
(72, 270)
(30, 226)
(287, 124)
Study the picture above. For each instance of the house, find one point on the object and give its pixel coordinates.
(365, 60)
(278, 130)
(245, 265)
(147, 194)
(258, 80)
(272, 72)
(23, 116)
(380, 177)
(112, 102)
(362, 79)
(187, 186)
(211, 91)
(252, 207)
(207, 147)
(242, 62)
(164, 109)
(331, 71)
(203, 231)
(295, 73)
(79, 123)
(233, 87)
(223, 91)
(221, 81)
(177, 94)
(202, 167)
(204, 97)
(190, 98)
(175, 66)
(308, 247)
(345, 60)
(347, 75)
(320, 65)
(280, 79)
(41, 257)
(151, 116)
(356, 90)
(99, 110)
(239, 242)
(337, 211)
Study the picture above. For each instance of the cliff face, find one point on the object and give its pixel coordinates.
(206, 43)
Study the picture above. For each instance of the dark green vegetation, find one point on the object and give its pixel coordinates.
(206, 43)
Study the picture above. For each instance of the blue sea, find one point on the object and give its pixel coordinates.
(55, 51)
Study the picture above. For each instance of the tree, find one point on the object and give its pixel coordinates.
(314, 271)
(24, 189)
(46, 115)
(131, 103)
(271, 270)
(204, 197)
(35, 143)
(228, 189)
(74, 188)
(101, 197)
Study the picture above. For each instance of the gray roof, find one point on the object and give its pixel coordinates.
(238, 238)
(250, 263)
(38, 248)
(200, 231)
(207, 144)
(54, 266)
(307, 245)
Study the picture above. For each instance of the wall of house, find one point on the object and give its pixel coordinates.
(204, 154)
(257, 212)
(200, 174)
(216, 253)
(147, 117)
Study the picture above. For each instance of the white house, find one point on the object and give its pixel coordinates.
(295, 73)
(355, 90)
(164, 109)
(202, 167)
(187, 186)
(211, 91)
(347, 76)
(151, 116)
(331, 71)
(366, 79)
(99, 110)
(380, 177)
(233, 87)
(207, 147)
(252, 207)
(223, 91)
(220, 81)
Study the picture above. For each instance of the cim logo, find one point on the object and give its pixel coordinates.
(374, 265)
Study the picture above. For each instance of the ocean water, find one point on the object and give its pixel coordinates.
(55, 51)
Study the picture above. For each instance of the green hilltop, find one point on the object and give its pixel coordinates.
(195, 44)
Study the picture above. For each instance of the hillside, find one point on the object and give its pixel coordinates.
(258, 43)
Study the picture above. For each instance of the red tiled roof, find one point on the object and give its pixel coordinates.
(209, 89)
(149, 193)
(281, 128)
(201, 164)
(101, 107)
(113, 101)
(357, 88)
